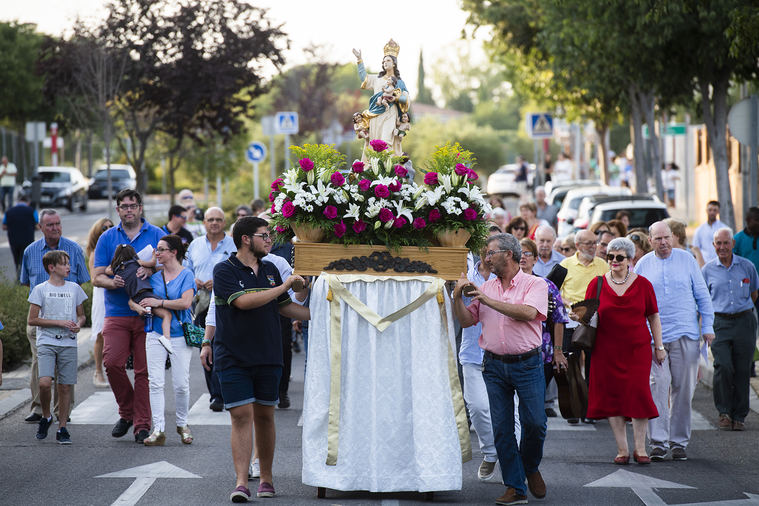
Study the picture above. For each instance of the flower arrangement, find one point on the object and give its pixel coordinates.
(374, 202)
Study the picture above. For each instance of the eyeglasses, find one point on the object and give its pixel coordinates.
(599, 232)
(106, 227)
(518, 228)
(490, 253)
(161, 250)
(211, 220)
(565, 250)
(129, 207)
(635, 238)
(587, 243)
(618, 258)
(180, 216)
(527, 254)
(265, 236)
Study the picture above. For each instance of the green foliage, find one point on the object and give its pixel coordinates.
(13, 313)
(447, 156)
(423, 94)
(323, 155)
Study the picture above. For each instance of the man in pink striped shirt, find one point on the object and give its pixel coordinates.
(511, 308)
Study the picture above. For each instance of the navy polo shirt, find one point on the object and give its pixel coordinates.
(117, 301)
(251, 337)
(21, 221)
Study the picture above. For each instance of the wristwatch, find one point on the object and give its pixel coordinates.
(660, 347)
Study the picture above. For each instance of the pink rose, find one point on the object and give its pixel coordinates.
(358, 167)
(330, 212)
(359, 226)
(288, 209)
(378, 145)
(470, 214)
(400, 171)
(395, 186)
(281, 229)
(400, 222)
(419, 223)
(461, 169)
(385, 215)
(272, 209)
(472, 175)
(337, 179)
(339, 229)
(306, 164)
(434, 215)
(271, 197)
(381, 191)
(277, 184)
(364, 184)
(430, 178)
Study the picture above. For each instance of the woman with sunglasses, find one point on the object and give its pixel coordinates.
(639, 238)
(517, 227)
(176, 285)
(98, 302)
(568, 247)
(621, 365)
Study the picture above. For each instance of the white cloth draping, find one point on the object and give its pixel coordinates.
(397, 427)
(98, 310)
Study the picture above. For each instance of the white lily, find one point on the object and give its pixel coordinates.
(383, 180)
(375, 165)
(445, 182)
(403, 211)
(354, 212)
(434, 195)
(310, 176)
(420, 203)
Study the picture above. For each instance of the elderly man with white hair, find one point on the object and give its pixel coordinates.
(682, 297)
(732, 282)
(547, 256)
(546, 211)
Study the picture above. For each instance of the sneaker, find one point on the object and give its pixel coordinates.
(284, 400)
(511, 497)
(240, 494)
(265, 489)
(486, 471)
(216, 405)
(678, 453)
(254, 471)
(44, 426)
(657, 454)
(63, 437)
(724, 423)
(573, 421)
(551, 413)
(166, 343)
(121, 428)
(141, 435)
(739, 426)
(33, 418)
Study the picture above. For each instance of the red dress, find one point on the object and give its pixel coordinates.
(621, 363)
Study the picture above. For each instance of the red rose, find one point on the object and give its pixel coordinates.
(461, 169)
(470, 214)
(288, 209)
(395, 186)
(364, 184)
(339, 229)
(400, 222)
(281, 229)
(359, 226)
(337, 179)
(385, 215)
(400, 171)
(306, 164)
(434, 215)
(378, 145)
(472, 175)
(419, 223)
(381, 191)
(358, 167)
(277, 183)
(330, 212)
(430, 178)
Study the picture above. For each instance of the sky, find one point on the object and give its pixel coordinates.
(433, 26)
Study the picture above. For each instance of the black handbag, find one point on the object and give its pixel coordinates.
(584, 336)
(193, 335)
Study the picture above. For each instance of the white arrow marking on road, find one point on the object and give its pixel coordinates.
(144, 478)
(641, 485)
(752, 499)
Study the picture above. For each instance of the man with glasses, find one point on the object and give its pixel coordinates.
(581, 268)
(124, 330)
(32, 274)
(175, 225)
(202, 256)
(247, 348)
(511, 307)
(682, 297)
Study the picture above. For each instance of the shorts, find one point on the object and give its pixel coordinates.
(246, 385)
(64, 357)
(144, 294)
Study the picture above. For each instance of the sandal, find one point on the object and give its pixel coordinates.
(185, 434)
(157, 438)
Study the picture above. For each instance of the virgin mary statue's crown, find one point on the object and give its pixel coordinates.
(392, 48)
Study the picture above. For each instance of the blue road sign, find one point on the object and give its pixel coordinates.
(286, 122)
(255, 152)
(540, 125)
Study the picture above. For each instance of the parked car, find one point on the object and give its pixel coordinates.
(60, 187)
(643, 213)
(122, 177)
(569, 207)
(556, 191)
(501, 182)
(589, 203)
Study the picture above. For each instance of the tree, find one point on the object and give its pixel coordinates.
(21, 97)
(423, 94)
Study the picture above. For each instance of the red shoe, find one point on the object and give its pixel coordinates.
(641, 459)
(622, 460)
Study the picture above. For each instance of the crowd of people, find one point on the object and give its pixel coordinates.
(660, 301)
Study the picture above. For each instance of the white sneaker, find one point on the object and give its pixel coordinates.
(166, 343)
(487, 470)
(254, 471)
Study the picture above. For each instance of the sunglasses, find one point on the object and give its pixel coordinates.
(106, 227)
(565, 250)
(618, 258)
(518, 228)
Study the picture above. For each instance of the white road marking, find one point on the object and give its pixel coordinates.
(200, 414)
(145, 476)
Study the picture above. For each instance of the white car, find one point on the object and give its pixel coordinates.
(501, 182)
(643, 213)
(571, 204)
(556, 191)
(589, 203)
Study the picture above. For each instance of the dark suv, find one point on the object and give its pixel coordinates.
(122, 177)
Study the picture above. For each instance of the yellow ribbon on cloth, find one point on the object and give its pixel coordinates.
(336, 294)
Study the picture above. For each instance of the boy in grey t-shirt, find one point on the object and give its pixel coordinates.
(57, 312)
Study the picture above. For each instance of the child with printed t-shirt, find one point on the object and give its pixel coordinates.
(57, 312)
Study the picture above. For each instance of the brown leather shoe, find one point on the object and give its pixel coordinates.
(511, 497)
(739, 425)
(536, 485)
(725, 423)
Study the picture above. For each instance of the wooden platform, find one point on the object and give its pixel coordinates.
(311, 259)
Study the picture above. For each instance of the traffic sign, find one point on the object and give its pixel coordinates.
(35, 131)
(675, 129)
(739, 119)
(540, 125)
(255, 152)
(286, 122)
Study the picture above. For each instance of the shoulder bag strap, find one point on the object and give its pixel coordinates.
(600, 280)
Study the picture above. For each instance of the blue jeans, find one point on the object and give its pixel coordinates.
(527, 380)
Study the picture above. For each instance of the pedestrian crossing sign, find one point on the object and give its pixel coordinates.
(540, 125)
(286, 122)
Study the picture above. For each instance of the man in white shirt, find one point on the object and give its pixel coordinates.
(8, 173)
(703, 238)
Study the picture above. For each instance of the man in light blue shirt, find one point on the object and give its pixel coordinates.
(545, 236)
(682, 296)
(732, 281)
(704, 235)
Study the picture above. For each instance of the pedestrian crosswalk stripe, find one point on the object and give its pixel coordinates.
(99, 408)
(200, 414)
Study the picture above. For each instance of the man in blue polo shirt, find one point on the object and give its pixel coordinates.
(247, 349)
(123, 329)
(32, 274)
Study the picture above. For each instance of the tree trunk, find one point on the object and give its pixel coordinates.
(603, 153)
(715, 118)
(636, 125)
(648, 101)
(175, 158)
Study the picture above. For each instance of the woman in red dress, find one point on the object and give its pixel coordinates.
(621, 365)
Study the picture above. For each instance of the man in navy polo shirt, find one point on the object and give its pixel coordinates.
(124, 330)
(247, 349)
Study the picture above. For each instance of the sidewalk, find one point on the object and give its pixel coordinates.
(15, 393)
(707, 377)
